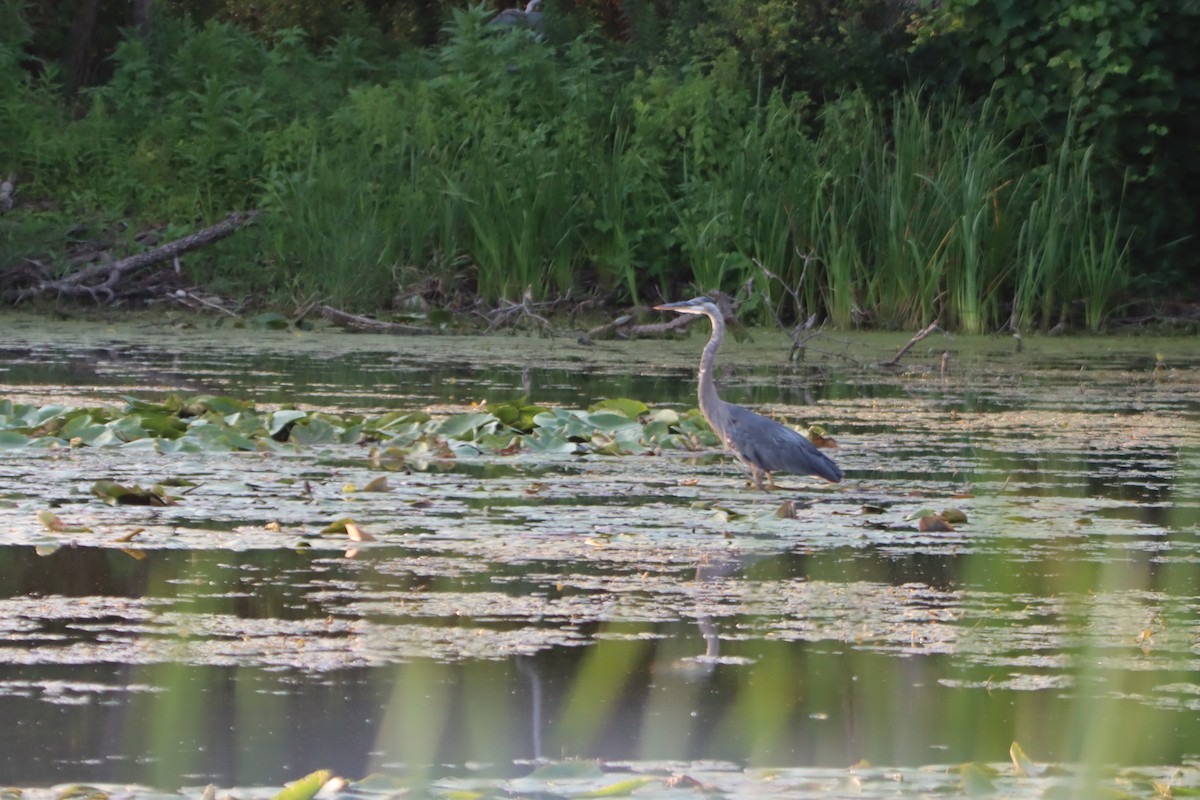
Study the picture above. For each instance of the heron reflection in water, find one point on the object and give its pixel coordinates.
(764, 444)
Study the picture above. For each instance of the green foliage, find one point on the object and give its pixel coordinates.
(1056, 56)
(927, 212)
(820, 48)
(223, 424)
(30, 114)
(497, 166)
(1118, 77)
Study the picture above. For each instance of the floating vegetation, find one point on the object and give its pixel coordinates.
(206, 424)
(307, 787)
(584, 778)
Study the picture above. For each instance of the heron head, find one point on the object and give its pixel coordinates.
(697, 305)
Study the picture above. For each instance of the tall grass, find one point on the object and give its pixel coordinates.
(523, 168)
(929, 212)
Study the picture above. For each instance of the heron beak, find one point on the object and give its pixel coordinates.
(682, 307)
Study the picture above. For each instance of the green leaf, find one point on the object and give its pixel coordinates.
(315, 431)
(620, 788)
(116, 494)
(666, 416)
(403, 435)
(47, 442)
(351, 434)
(282, 418)
(495, 442)
(1024, 764)
(543, 441)
(270, 320)
(127, 429)
(564, 423)
(632, 409)
(517, 417)
(162, 424)
(106, 437)
(307, 787)
(10, 440)
(398, 419)
(976, 779)
(466, 426)
(221, 405)
(212, 438)
(955, 516)
(78, 424)
(655, 432)
(167, 445)
(610, 422)
(40, 416)
(137, 404)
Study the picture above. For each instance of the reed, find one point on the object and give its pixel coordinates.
(327, 234)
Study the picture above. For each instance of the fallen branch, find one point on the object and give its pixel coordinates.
(933, 326)
(196, 302)
(101, 280)
(623, 327)
(354, 322)
(510, 314)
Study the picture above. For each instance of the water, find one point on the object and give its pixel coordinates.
(647, 610)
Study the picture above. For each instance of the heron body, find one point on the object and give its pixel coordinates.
(530, 17)
(764, 444)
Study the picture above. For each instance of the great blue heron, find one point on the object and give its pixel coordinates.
(530, 18)
(764, 444)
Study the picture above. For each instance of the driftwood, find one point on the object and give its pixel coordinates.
(623, 327)
(356, 323)
(918, 336)
(196, 302)
(511, 314)
(101, 281)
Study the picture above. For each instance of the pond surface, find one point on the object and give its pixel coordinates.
(648, 611)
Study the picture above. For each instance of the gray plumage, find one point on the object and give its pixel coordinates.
(764, 444)
(530, 17)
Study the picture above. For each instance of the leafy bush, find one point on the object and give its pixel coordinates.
(1118, 77)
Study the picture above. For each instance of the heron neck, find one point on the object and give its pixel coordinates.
(707, 389)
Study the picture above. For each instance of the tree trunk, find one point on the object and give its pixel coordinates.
(79, 62)
(141, 18)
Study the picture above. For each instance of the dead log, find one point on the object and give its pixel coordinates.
(354, 322)
(624, 326)
(101, 280)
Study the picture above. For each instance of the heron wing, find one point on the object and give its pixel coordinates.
(773, 447)
(510, 18)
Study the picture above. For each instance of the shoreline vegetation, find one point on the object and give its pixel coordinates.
(506, 178)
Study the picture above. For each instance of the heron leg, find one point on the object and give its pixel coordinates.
(757, 474)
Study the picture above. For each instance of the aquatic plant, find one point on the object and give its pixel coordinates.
(205, 423)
